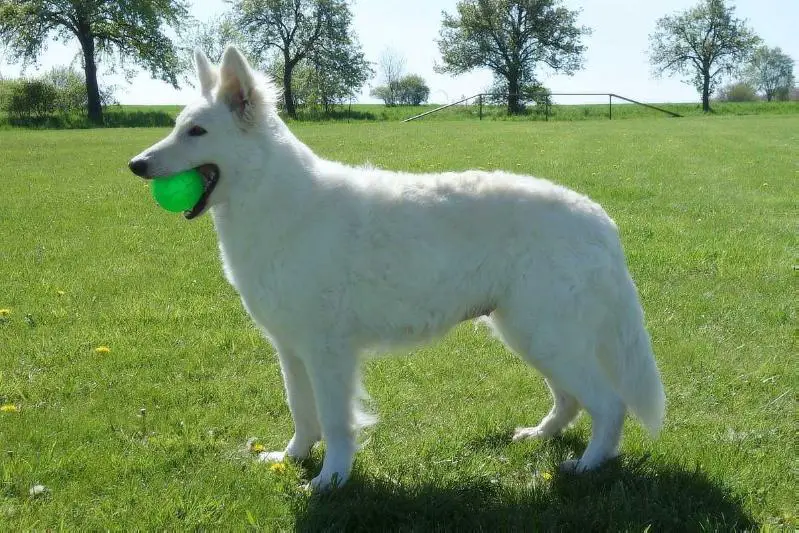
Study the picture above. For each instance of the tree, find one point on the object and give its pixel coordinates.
(112, 30)
(771, 71)
(738, 92)
(339, 68)
(530, 92)
(413, 90)
(211, 37)
(391, 65)
(407, 90)
(298, 29)
(704, 42)
(512, 38)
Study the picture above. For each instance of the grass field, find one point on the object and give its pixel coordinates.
(151, 433)
(564, 111)
(146, 116)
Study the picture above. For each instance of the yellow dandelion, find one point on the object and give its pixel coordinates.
(278, 468)
(257, 448)
(102, 349)
(547, 476)
(5, 312)
(8, 408)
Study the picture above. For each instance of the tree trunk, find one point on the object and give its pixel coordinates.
(706, 92)
(92, 88)
(513, 96)
(288, 97)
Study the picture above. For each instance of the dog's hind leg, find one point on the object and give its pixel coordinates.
(564, 410)
(300, 398)
(563, 352)
(333, 376)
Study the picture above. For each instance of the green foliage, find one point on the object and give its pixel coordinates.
(704, 207)
(71, 89)
(118, 32)
(410, 90)
(311, 35)
(25, 99)
(385, 93)
(60, 91)
(512, 38)
(413, 90)
(783, 94)
(338, 68)
(738, 92)
(771, 71)
(703, 43)
(211, 36)
(532, 95)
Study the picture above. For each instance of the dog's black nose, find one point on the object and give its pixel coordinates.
(138, 167)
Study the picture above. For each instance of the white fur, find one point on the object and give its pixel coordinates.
(332, 261)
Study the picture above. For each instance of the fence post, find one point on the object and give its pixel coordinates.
(610, 107)
(480, 105)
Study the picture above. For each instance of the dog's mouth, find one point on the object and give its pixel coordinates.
(210, 174)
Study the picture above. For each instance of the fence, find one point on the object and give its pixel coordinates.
(548, 103)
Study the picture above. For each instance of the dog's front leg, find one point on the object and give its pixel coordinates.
(300, 398)
(332, 375)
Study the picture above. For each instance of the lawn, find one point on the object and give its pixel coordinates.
(147, 116)
(152, 433)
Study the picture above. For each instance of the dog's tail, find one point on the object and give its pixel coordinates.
(630, 363)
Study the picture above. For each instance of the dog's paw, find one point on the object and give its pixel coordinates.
(326, 483)
(272, 457)
(574, 466)
(529, 433)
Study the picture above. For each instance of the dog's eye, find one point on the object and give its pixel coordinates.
(196, 131)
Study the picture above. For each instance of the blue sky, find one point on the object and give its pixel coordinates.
(616, 60)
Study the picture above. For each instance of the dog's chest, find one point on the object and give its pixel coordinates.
(276, 285)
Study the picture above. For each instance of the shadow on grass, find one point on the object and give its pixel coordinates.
(317, 115)
(631, 493)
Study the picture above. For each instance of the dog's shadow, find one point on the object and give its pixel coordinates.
(627, 494)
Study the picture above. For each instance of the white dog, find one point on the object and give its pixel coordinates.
(333, 261)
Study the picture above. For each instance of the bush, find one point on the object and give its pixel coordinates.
(408, 90)
(5, 92)
(738, 92)
(71, 88)
(62, 90)
(531, 94)
(412, 90)
(25, 99)
(783, 94)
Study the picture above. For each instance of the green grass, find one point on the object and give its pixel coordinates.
(571, 112)
(146, 116)
(565, 111)
(707, 211)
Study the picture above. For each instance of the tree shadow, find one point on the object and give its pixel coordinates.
(628, 494)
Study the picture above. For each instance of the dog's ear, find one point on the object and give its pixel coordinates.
(206, 72)
(238, 85)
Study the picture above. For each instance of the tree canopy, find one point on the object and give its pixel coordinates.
(407, 90)
(112, 30)
(704, 43)
(771, 71)
(512, 38)
(317, 32)
(211, 36)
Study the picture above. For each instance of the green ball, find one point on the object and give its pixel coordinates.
(180, 191)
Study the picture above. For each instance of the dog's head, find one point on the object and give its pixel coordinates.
(213, 134)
